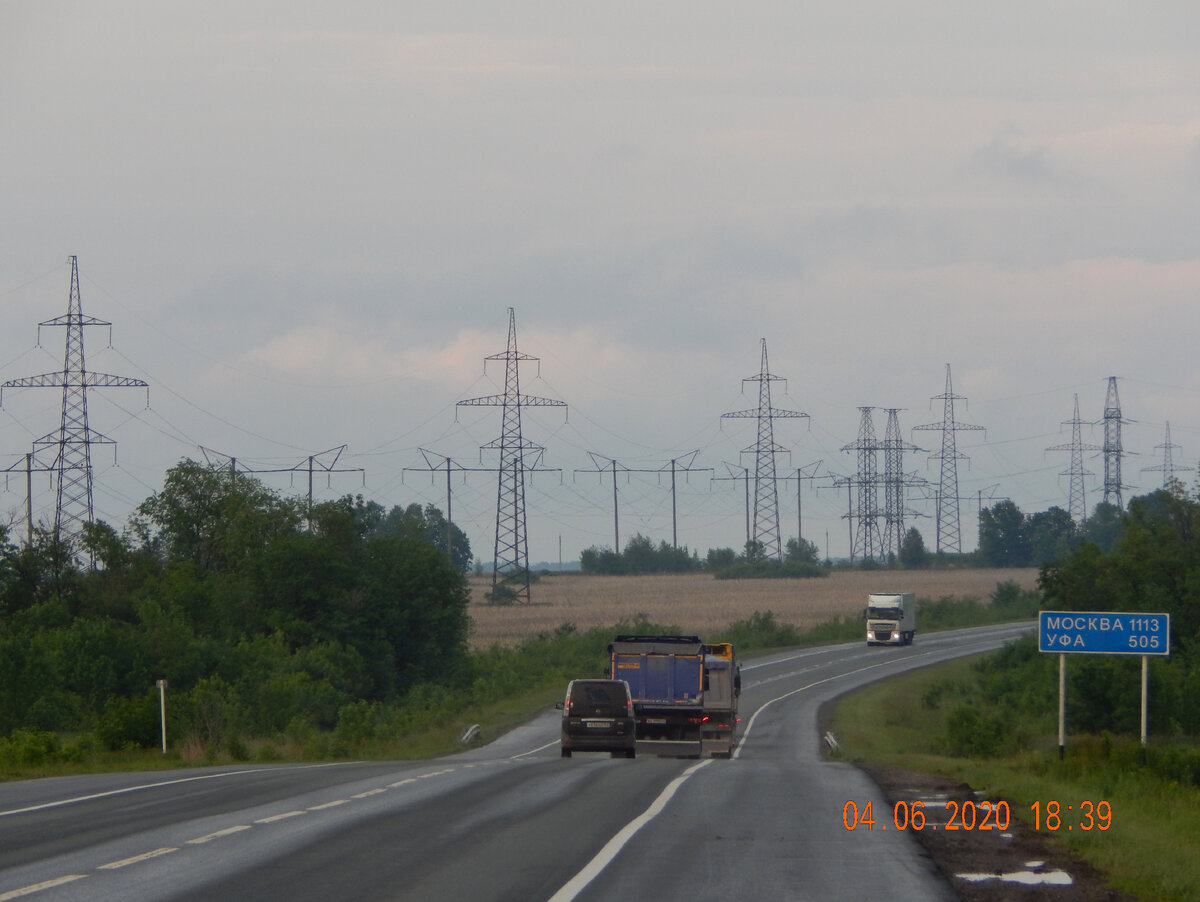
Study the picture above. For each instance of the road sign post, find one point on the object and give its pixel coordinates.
(1102, 633)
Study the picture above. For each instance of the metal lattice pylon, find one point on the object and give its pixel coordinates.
(511, 561)
(1076, 499)
(1167, 467)
(949, 533)
(766, 491)
(894, 482)
(1112, 446)
(866, 512)
(72, 442)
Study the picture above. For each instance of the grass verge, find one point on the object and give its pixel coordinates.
(1148, 850)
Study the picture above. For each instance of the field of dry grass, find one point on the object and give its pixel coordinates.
(697, 603)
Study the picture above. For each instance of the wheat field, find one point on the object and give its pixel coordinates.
(698, 604)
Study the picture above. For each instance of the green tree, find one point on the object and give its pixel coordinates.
(801, 551)
(1003, 540)
(913, 555)
(1051, 534)
(1103, 527)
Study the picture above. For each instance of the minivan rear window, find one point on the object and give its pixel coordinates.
(597, 694)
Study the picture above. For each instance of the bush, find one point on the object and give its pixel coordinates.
(969, 734)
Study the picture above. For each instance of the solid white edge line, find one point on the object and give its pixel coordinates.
(604, 857)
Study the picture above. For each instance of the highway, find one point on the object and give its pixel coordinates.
(507, 821)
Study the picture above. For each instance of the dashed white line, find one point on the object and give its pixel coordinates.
(279, 817)
(145, 856)
(228, 831)
(369, 793)
(38, 887)
(332, 804)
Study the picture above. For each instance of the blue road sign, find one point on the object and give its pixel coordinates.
(1104, 633)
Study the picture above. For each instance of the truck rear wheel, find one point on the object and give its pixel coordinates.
(566, 753)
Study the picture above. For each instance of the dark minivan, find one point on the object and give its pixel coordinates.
(598, 717)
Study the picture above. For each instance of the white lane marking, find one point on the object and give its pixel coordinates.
(38, 887)
(117, 792)
(145, 856)
(533, 751)
(228, 831)
(332, 804)
(279, 817)
(750, 726)
(369, 793)
(592, 869)
(402, 782)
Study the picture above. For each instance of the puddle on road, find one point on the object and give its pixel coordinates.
(1031, 877)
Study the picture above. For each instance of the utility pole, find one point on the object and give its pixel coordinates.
(447, 464)
(766, 492)
(949, 534)
(321, 462)
(612, 466)
(72, 442)
(511, 558)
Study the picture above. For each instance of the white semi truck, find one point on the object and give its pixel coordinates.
(891, 618)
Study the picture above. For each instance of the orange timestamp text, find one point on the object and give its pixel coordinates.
(968, 815)
(983, 815)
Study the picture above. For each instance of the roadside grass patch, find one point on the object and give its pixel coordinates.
(1149, 849)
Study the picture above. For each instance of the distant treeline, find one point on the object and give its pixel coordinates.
(642, 556)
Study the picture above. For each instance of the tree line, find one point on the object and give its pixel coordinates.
(641, 555)
(263, 616)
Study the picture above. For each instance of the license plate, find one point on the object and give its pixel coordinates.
(599, 724)
(656, 720)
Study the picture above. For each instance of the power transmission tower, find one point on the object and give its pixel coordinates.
(72, 442)
(1112, 446)
(1077, 500)
(949, 534)
(766, 492)
(866, 513)
(512, 541)
(894, 483)
(1167, 467)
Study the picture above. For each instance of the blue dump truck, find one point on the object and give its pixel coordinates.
(685, 693)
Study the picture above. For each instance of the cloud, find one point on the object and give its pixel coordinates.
(1007, 156)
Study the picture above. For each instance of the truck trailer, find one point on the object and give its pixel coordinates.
(891, 618)
(684, 693)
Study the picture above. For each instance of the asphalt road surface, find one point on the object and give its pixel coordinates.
(509, 821)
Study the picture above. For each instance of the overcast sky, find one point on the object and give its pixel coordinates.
(307, 221)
